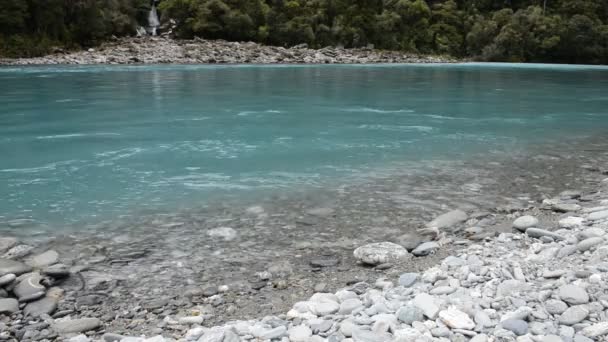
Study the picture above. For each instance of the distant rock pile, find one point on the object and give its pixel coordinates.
(159, 50)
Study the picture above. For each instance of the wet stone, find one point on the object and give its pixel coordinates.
(15, 267)
(43, 306)
(324, 262)
(8, 305)
(7, 243)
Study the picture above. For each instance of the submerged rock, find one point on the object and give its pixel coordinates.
(448, 219)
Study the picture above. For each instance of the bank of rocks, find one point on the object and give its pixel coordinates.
(538, 283)
(158, 50)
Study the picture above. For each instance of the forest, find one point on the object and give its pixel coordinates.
(557, 31)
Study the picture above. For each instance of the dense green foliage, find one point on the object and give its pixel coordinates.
(567, 31)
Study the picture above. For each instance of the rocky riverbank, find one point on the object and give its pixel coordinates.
(529, 267)
(160, 50)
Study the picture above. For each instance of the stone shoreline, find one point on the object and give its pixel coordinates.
(537, 271)
(160, 50)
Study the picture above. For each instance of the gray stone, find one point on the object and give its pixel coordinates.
(111, 337)
(409, 241)
(410, 314)
(426, 248)
(360, 335)
(538, 233)
(517, 326)
(581, 338)
(18, 251)
(11, 266)
(524, 222)
(380, 253)
(7, 243)
(226, 233)
(408, 279)
(448, 219)
(7, 279)
(426, 303)
(555, 307)
(57, 271)
(270, 334)
(598, 215)
(565, 207)
(300, 333)
(571, 222)
(507, 287)
(574, 314)
(596, 330)
(573, 294)
(456, 319)
(43, 306)
(79, 338)
(590, 243)
(349, 305)
(42, 260)
(70, 326)
(28, 287)
(320, 212)
(8, 305)
(565, 251)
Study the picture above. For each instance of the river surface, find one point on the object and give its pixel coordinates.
(86, 144)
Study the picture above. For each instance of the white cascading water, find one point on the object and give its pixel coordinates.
(153, 22)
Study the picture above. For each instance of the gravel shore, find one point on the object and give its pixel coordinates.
(473, 267)
(159, 50)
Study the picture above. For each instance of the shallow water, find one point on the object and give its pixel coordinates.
(85, 144)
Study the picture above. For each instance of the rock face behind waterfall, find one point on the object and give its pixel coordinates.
(157, 50)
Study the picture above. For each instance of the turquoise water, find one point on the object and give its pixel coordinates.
(87, 143)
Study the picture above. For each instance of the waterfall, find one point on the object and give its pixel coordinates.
(153, 22)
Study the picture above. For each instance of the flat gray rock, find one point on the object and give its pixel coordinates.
(44, 259)
(426, 303)
(598, 215)
(410, 314)
(381, 253)
(7, 279)
(8, 305)
(408, 279)
(75, 325)
(448, 219)
(18, 252)
(15, 267)
(573, 315)
(43, 306)
(28, 287)
(573, 294)
(555, 306)
(426, 248)
(589, 243)
(524, 222)
(538, 233)
(565, 207)
(7, 243)
(518, 326)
